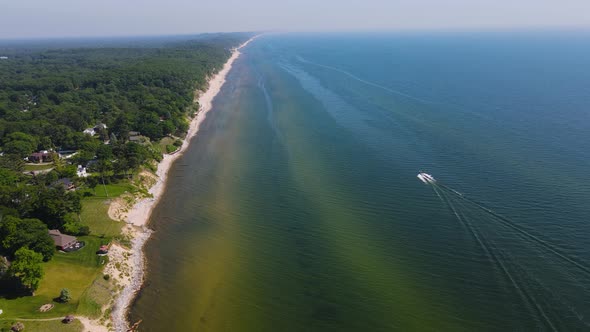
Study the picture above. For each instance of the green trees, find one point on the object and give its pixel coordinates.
(12, 162)
(16, 233)
(64, 296)
(54, 203)
(19, 148)
(72, 225)
(49, 96)
(26, 267)
(52, 95)
(19, 144)
(9, 177)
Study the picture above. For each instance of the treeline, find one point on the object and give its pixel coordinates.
(48, 97)
(54, 94)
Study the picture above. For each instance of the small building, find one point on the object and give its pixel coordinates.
(40, 157)
(134, 133)
(89, 131)
(62, 241)
(66, 183)
(3, 57)
(100, 126)
(67, 154)
(103, 250)
(81, 171)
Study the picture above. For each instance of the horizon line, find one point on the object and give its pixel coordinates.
(563, 28)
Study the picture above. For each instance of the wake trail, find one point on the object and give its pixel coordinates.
(528, 287)
(550, 247)
(373, 84)
(527, 298)
(520, 278)
(533, 286)
(269, 107)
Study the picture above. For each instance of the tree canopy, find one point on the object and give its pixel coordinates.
(103, 104)
(17, 233)
(27, 268)
(49, 96)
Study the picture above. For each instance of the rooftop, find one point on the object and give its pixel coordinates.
(61, 240)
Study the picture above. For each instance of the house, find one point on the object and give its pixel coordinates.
(135, 136)
(40, 157)
(67, 154)
(81, 171)
(136, 139)
(3, 58)
(62, 241)
(100, 126)
(89, 131)
(66, 183)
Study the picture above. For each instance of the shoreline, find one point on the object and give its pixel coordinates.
(140, 213)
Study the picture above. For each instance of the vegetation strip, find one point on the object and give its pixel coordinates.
(79, 129)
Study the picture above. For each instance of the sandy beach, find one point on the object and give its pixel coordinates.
(138, 216)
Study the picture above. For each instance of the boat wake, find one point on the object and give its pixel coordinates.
(552, 284)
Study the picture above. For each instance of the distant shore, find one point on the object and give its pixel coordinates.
(140, 213)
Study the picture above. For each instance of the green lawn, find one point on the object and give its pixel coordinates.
(95, 215)
(37, 167)
(95, 298)
(74, 270)
(47, 326)
(110, 190)
(165, 141)
(79, 271)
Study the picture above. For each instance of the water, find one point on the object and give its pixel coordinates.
(297, 207)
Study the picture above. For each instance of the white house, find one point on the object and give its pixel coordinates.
(89, 131)
(81, 172)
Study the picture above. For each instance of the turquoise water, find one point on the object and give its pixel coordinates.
(297, 207)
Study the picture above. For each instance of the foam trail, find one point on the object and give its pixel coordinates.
(499, 258)
(384, 88)
(527, 298)
(269, 107)
(527, 286)
(553, 249)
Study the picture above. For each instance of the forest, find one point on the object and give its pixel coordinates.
(107, 105)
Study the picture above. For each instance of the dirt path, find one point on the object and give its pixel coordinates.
(34, 319)
(89, 324)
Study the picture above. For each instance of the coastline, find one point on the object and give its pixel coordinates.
(139, 215)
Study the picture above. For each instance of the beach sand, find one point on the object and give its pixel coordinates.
(139, 215)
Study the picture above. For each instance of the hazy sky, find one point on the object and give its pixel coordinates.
(43, 18)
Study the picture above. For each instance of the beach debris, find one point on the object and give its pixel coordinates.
(134, 327)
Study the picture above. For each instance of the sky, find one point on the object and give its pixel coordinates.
(75, 18)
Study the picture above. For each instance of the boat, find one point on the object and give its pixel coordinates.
(426, 178)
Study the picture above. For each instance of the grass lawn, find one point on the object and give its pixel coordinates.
(36, 167)
(95, 298)
(80, 271)
(165, 141)
(95, 215)
(75, 271)
(111, 190)
(47, 326)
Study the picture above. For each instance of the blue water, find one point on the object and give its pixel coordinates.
(298, 208)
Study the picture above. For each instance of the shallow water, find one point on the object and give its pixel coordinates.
(297, 207)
